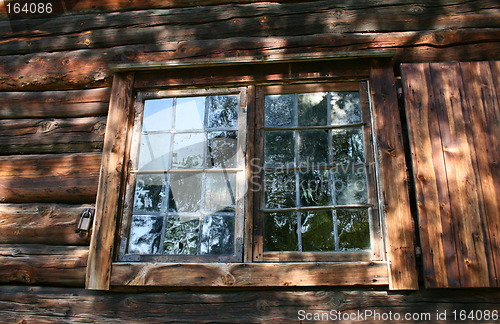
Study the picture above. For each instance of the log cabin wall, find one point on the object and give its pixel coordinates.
(55, 88)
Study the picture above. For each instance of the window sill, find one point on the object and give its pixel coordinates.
(250, 274)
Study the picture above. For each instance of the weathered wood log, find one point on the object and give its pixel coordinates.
(250, 274)
(54, 104)
(34, 136)
(66, 178)
(88, 68)
(43, 264)
(53, 224)
(162, 27)
(70, 305)
(265, 19)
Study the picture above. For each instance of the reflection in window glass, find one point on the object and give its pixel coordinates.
(158, 115)
(314, 157)
(190, 113)
(178, 208)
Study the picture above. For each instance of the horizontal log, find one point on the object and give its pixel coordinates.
(54, 104)
(254, 19)
(34, 136)
(250, 274)
(43, 264)
(20, 304)
(123, 5)
(53, 224)
(65, 178)
(89, 68)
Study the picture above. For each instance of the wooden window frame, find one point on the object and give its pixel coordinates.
(398, 271)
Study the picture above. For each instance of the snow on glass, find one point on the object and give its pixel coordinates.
(308, 163)
(190, 212)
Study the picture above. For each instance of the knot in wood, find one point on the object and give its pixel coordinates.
(47, 126)
(228, 279)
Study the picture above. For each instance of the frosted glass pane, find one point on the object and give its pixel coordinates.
(190, 113)
(157, 114)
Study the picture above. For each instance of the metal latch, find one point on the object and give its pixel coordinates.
(85, 219)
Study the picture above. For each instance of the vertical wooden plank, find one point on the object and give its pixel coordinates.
(256, 163)
(482, 107)
(109, 189)
(249, 194)
(437, 234)
(462, 181)
(400, 230)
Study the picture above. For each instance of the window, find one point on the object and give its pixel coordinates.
(318, 197)
(183, 202)
(264, 175)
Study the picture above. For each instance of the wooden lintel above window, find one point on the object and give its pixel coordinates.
(282, 58)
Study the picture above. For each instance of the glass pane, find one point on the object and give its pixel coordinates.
(350, 185)
(347, 146)
(217, 235)
(317, 231)
(157, 115)
(220, 193)
(182, 235)
(188, 150)
(313, 147)
(222, 111)
(186, 191)
(150, 192)
(279, 149)
(190, 113)
(354, 229)
(222, 149)
(279, 110)
(345, 108)
(279, 189)
(280, 232)
(154, 152)
(145, 234)
(315, 189)
(312, 109)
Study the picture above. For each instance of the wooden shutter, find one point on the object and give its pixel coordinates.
(453, 119)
